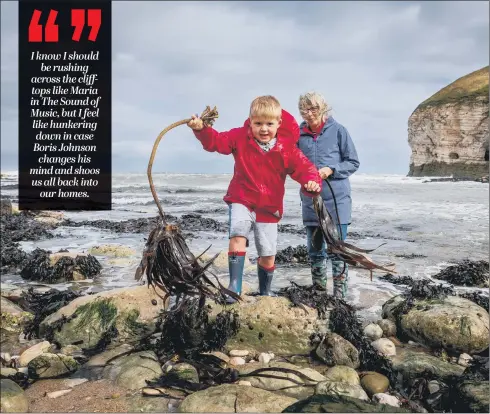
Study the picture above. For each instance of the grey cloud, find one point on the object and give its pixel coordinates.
(373, 61)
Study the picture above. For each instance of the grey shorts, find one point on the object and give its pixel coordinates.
(242, 221)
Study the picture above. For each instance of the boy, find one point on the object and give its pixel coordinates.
(265, 152)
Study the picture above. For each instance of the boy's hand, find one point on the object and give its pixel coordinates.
(195, 123)
(312, 187)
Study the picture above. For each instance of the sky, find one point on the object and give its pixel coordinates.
(373, 61)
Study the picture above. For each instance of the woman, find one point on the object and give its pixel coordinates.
(328, 145)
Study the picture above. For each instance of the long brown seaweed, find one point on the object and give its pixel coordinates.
(170, 266)
(346, 252)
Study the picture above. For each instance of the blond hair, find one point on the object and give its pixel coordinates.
(266, 106)
(313, 99)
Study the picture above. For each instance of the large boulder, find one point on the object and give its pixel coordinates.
(119, 314)
(13, 317)
(282, 380)
(12, 398)
(132, 371)
(476, 396)
(272, 324)
(339, 404)
(49, 365)
(335, 350)
(453, 323)
(231, 398)
(411, 364)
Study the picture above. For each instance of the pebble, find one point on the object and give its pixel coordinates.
(6, 357)
(374, 383)
(265, 358)
(56, 394)
(237, 361)
(247, 383)
(464, 360)
(239, 353)
(153, 391)
(388, 327)
(384, 346)
(433, 387)
(387, 399)
(373, 331)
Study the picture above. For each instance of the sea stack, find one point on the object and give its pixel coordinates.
(448, 132)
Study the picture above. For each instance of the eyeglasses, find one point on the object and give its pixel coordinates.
(313, 111)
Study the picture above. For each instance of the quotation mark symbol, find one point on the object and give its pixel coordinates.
(36, 29)
(94, 21)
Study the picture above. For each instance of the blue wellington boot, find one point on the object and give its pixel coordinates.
(265, 281)
(236, 262)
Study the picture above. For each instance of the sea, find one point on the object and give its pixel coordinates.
(426, 226)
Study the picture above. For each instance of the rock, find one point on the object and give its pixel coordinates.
(5, 357)
(433, 386)
(388, 327)
(342, 373)
(71, 350)
(412, 364)
(246, 383)
(129, 310)
(221, 356)
(112, 250)
(237, 361)
(387, 311)
(448, 132)
(230, 398)
(476, 396)
(464, 360)
(51, 366)
(339, 404)
(12, 292)
(186, 372)
(5, 207)
(382, 398)
(384, 346)
(454, 323)
(283, 379)
(7, 372)
(271, 324)
(335, 350)
(70, 262)
(33, 352)
(132, 371)
(373, 332)
(12, 398)
(13, 317)
(341, 388)
(374, 383)
(56, 394)
(239, 353)
(265, 358)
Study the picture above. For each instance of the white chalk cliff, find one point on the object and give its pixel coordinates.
(448, 133)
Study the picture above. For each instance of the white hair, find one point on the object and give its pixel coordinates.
(310, 99)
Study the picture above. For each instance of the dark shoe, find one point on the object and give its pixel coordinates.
(265, 281)
(236, 261)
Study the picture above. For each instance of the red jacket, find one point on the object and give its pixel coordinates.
(259, 177)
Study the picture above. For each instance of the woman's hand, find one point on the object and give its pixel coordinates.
(195, 123)
(325, 172)
(312, 187)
